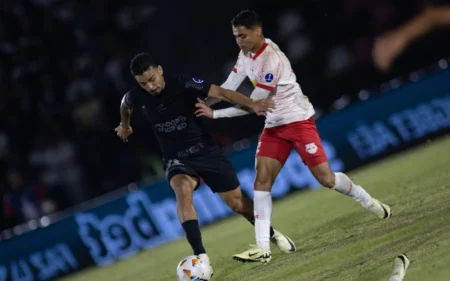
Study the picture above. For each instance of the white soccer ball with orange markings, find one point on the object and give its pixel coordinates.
(193, 268)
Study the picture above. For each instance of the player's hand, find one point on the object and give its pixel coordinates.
(203, 109)
(123, 132)
(387, 48)
(261, 107)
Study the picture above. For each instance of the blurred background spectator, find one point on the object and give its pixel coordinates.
(393, 43)
(64, 70)
(26, 200)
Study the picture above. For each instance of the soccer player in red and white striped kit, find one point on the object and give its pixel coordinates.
(290, 124)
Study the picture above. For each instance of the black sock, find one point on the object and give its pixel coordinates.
(194, 236)
(271, 229)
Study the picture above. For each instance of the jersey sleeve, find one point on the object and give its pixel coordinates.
(233, 81)
(195, 86)
(239, 67)
(131, 99)
(269, 73)
(257, 94)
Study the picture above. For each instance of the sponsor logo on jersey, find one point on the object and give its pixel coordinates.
(196, 80)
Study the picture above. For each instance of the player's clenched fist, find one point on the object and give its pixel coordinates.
(123, 132)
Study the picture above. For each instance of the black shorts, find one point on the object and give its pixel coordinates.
(213, 167)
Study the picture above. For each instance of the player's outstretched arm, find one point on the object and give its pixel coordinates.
(260, 106)
(124, 129)
(233, 82)
(391, 44)
(203, 109)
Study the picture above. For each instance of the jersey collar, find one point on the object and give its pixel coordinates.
(256, 55)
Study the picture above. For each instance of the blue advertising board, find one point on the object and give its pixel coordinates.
(391, 121)
(143, 219)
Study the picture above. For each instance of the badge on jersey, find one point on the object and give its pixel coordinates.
(268, 77)
(196, 80)
(311, 148)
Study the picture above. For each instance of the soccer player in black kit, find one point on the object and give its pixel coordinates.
(189, 152)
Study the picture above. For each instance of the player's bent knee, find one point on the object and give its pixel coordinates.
(183, 186)
(262, 184)
(323, 174)
(184, 189)
(234, 200)
(235, 205)
(327, 180)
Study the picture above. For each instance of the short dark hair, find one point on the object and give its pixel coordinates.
(141, 63)
(247, 18)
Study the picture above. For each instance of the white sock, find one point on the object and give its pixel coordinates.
(343, 184)
(263, 211)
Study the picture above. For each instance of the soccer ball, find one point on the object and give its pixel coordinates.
(193, 268)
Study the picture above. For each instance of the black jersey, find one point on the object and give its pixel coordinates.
(171, 113)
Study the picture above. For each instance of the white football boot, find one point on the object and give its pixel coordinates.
(255, 254)
(379, 209)
(283, 242)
